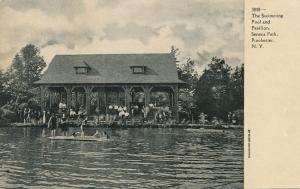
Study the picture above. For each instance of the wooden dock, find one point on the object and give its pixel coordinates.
(139, 125)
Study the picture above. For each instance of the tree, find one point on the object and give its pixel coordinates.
(237, 87)
(15, 78)
(212, 94)
(187, 73)
(4, 95)
(33, 63)
(237, 92)
(26, 68)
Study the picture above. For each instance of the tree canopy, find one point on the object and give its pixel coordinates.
(216, 92)
(25, 69)
(213, 89)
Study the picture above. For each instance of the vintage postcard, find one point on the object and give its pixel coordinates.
(149, 94)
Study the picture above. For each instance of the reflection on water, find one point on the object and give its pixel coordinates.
(133, 158)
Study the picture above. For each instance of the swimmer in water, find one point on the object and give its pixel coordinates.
(97, 134)
(75, 134)
(106, 135)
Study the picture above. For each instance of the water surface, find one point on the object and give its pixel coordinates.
(133, 158)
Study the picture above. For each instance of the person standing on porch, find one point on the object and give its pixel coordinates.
(20, 114)
(115, 113)
(25, 115)
(29, 113)
(44, 117)
(110, 114)
(229, 116)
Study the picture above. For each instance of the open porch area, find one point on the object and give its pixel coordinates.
(101, 100)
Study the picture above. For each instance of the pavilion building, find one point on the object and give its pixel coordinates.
(96, 81)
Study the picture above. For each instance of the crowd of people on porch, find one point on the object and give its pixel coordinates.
(116, 114)
(137, 113)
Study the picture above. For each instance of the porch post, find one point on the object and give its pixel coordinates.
(147, 95)
(69, 96)
(50, 98)
(88, 90)
(176, 102)
(171, 99)
(98, 101)
(105, 100)
(127, 96)
(43, 102)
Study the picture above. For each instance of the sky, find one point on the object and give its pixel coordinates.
(200, 29)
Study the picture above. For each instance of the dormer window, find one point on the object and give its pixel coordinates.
(138, 69)
(82, 69)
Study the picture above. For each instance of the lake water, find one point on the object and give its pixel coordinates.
(133, 158)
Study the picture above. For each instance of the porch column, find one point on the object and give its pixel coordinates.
(69, 96)
(88, 90)
(171, 99)
(147, 95)
(50, 98)
(105, 100)
(43, 101)
(175, 89)
(127, 96)
(98, 101)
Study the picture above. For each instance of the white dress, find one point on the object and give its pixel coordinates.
(44, 117)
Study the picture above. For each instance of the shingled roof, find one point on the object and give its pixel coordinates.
(111, 68)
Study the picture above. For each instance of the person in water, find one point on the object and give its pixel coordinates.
(106, 135)
(97, 134)
(83, 124)
(52, 124)
(75, 134)
(64, 125)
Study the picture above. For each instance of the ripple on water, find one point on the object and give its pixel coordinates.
(136, 158)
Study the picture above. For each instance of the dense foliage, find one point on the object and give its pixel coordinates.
(216, 92)
(16, 84)
(219, 91)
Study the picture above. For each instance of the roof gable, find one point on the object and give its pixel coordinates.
(111, 68)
